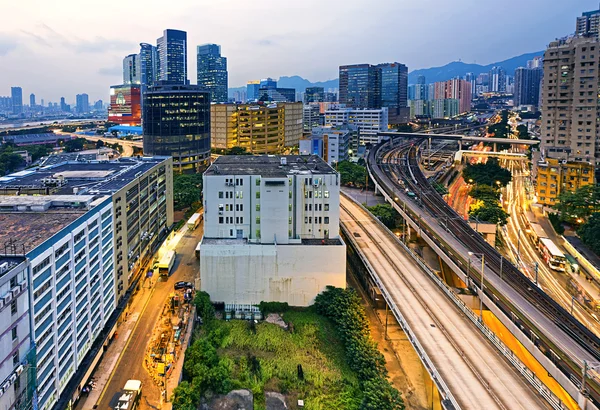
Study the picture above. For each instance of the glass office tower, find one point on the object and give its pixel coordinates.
(212, 71)
(360, 86)
(172, 57)
(176, 122)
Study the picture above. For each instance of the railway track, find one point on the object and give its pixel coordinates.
(403, 164)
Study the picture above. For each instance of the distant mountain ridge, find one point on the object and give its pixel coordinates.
(433, 74)
(460, 69)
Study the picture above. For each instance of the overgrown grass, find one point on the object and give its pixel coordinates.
(328, 381)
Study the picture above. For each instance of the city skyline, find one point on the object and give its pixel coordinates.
(82, 55)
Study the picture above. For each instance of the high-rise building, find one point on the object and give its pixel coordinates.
(252, 88)
(83, 103)
(311, 117)
(472, 79)
(460, 90)
(360, 86)
(394, 91)
(421, 80)
(536, 62)
(527, 86)
(131, 69)
(172, 56)
(177, 123)
(99, 105)
(260, 129)
(268, 83)
(87, 230)
(212, 71)
(32, 103)
(125, 104)
(148, 65)
(314, 94)
(588, 24)
(63, 105)
(497, 80)
(570, 108)
(271, 230)
(16, 94)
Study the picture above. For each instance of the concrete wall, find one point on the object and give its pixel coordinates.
(251, 273)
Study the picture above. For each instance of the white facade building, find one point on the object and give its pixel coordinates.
(369, 122)
(271, 230)
(330, 143)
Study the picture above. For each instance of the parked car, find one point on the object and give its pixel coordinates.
(183, 285)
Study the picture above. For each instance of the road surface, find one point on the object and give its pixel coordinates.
(476, 374)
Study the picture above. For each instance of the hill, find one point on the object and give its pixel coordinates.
(297, 83)
(458, 68)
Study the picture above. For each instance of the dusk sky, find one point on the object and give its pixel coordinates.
(65, 47)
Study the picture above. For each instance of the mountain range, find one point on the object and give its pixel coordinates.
(433, 74)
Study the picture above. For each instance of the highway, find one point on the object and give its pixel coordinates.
(476, 374)
(527, 254)
(542, 320)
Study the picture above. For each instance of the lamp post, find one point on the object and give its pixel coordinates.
(481, 285)
(518, 246)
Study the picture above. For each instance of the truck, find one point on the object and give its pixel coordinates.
(194, 221)
(165, 265)
(129, 397)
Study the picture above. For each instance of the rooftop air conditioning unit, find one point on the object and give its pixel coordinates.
(19, 370)
(7, 298)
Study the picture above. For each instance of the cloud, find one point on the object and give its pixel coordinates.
(7, 44)
(110, 71)
(265, 42)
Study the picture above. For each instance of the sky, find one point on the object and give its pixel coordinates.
(67, 47)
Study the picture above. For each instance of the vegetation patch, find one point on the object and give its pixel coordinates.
(318, 359)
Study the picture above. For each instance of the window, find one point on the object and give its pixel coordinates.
(290, 207)
(327, 220)
(237, 219)
(220, 219)
(258, 207)
(16, 358)
(231, 232)
(258, 220)
(326, 194)
(13, 282)
(241, 207)
(220, 194)
(290, 220)
(14, 333)
(258, 195)
(305, 219)
(241, 219)
(13, 307)
(257, 181)
(258, 234)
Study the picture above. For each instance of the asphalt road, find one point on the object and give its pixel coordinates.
(131, 364)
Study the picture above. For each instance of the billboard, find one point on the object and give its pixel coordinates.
(125, 104)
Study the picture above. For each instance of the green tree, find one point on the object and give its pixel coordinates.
(187, 190)
(386, 214)
(185, 397)
(74, 145)
(352, 174)
(204, 307)
(522, 132)
(10, 162)
(490, 173)
(490, 212)
(484, 193)
(237, 151)
(580, 204)
(380, 394)
(99, 144)
(589, 233)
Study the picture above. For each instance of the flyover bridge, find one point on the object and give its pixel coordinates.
(457, 137)
(467, 369)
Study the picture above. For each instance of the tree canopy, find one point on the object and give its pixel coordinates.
(577, 206)
(490, 173)
(589, 233)
(386, 214)
(352, 174)
(187, 190)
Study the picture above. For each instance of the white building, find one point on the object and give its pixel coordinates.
(16, 381)
(330, 143)
(84, 228)
(369, 122)
(271, 230)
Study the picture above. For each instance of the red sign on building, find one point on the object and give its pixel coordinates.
(125, 105)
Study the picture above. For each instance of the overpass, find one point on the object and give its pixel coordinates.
(465, 366)
(555, 339)
(457, 137)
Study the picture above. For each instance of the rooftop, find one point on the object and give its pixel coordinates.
(269, 166)
(21, 232)
(80, 177)
(7, 263)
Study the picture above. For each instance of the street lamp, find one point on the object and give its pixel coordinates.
(518, 246)
(481, 287)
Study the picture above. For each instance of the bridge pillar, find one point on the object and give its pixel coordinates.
(495, 147)
(460, 145)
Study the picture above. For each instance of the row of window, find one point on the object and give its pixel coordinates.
(318, 220)
(229, 220)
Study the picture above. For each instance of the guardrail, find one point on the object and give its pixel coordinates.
(433, 373)
(536, 383)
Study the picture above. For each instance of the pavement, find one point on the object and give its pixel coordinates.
(124, 358)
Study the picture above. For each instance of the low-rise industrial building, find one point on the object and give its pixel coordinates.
(271, 230)
(369, 122)
(333, 144)
(84, 229)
